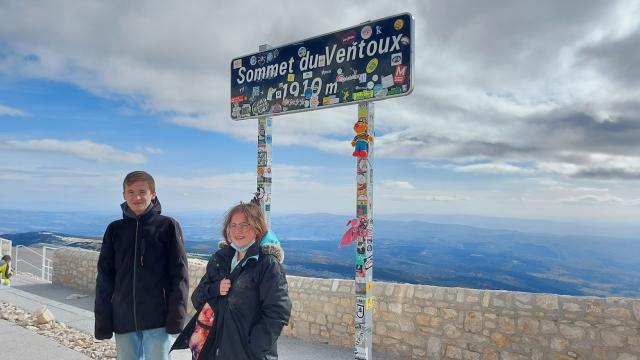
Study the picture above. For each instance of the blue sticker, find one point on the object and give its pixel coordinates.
(308, 92)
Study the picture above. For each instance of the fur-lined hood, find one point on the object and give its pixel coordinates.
(269, 245)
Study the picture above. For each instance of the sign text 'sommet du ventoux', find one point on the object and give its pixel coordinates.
(371, 61)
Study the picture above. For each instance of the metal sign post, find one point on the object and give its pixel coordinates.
(263, 188)
(364, 241)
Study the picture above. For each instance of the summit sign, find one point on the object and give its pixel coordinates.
(368, 62)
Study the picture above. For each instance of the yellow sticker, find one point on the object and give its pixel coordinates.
(372, 65)
(292, 77)
(369, 303)
(362, 111)
(398, 24)
(369, 286)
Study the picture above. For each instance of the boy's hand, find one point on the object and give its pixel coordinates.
(225, 284)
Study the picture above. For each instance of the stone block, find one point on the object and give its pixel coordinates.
(573, 307)
(506, 324)
(473, 322)
(423, 320)
(451, 331)
(499, 339)
(572, 332)
(489, 354)
(558, 344)
(528, 326)
(449, 314)
(453, 352)
(547, 302)
(612, 338)
(44, 316)
(619, 313)
(434, 348)
(548, 327)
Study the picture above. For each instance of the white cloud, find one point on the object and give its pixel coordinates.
(9, 111)
(396, 184)
(153, 150)
(596, 166)
(591, 199)
(538, 93)
(494, 168)
(83, 149)
(429, 197)
(475, 105)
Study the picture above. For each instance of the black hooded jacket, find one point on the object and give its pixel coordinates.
(249, 319)
(142, 281)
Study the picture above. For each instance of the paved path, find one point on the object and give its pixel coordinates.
(17, 343)
(75, 309)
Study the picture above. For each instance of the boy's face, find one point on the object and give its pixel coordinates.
(138, 196)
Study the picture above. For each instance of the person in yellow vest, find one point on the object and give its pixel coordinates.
(6, 272)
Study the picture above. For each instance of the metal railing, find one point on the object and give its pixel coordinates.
(45, 268)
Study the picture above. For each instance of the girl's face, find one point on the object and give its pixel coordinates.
(240, 231)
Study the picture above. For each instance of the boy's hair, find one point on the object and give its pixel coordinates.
(139, 176)
(6, 258)
(255, 218)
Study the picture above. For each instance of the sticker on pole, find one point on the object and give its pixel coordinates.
(368, 62)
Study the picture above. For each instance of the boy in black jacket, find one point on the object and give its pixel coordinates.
(143, 282)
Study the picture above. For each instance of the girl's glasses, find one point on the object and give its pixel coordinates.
(242, 227)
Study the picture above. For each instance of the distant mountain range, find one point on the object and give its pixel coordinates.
(415, 251)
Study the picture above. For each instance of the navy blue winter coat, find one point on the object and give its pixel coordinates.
(143, 281)
(249, 319)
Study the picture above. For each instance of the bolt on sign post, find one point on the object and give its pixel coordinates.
(358, 65)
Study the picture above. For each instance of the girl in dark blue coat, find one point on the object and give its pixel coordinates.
(242, 301)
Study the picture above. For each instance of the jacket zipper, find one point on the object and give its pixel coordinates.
(135, 263)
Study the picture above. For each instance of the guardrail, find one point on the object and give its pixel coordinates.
(46, 267)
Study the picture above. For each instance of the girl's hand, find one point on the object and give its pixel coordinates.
(225, 284)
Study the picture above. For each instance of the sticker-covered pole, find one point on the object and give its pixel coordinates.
(363, 151)
(263, 189)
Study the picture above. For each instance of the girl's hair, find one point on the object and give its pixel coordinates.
(255, 218)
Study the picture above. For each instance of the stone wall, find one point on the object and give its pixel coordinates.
(428, 322)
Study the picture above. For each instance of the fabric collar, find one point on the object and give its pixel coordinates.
(154, 208)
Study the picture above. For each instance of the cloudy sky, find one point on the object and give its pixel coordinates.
(520, 108)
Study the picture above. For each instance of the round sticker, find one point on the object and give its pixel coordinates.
(370, 85)
(339, 71)
(404, 40)
(269, 56)
(366, 32)
(253, 60)
(372, 65)
(302, 51)
(314, 101)
(398, 24)
(374, 77)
